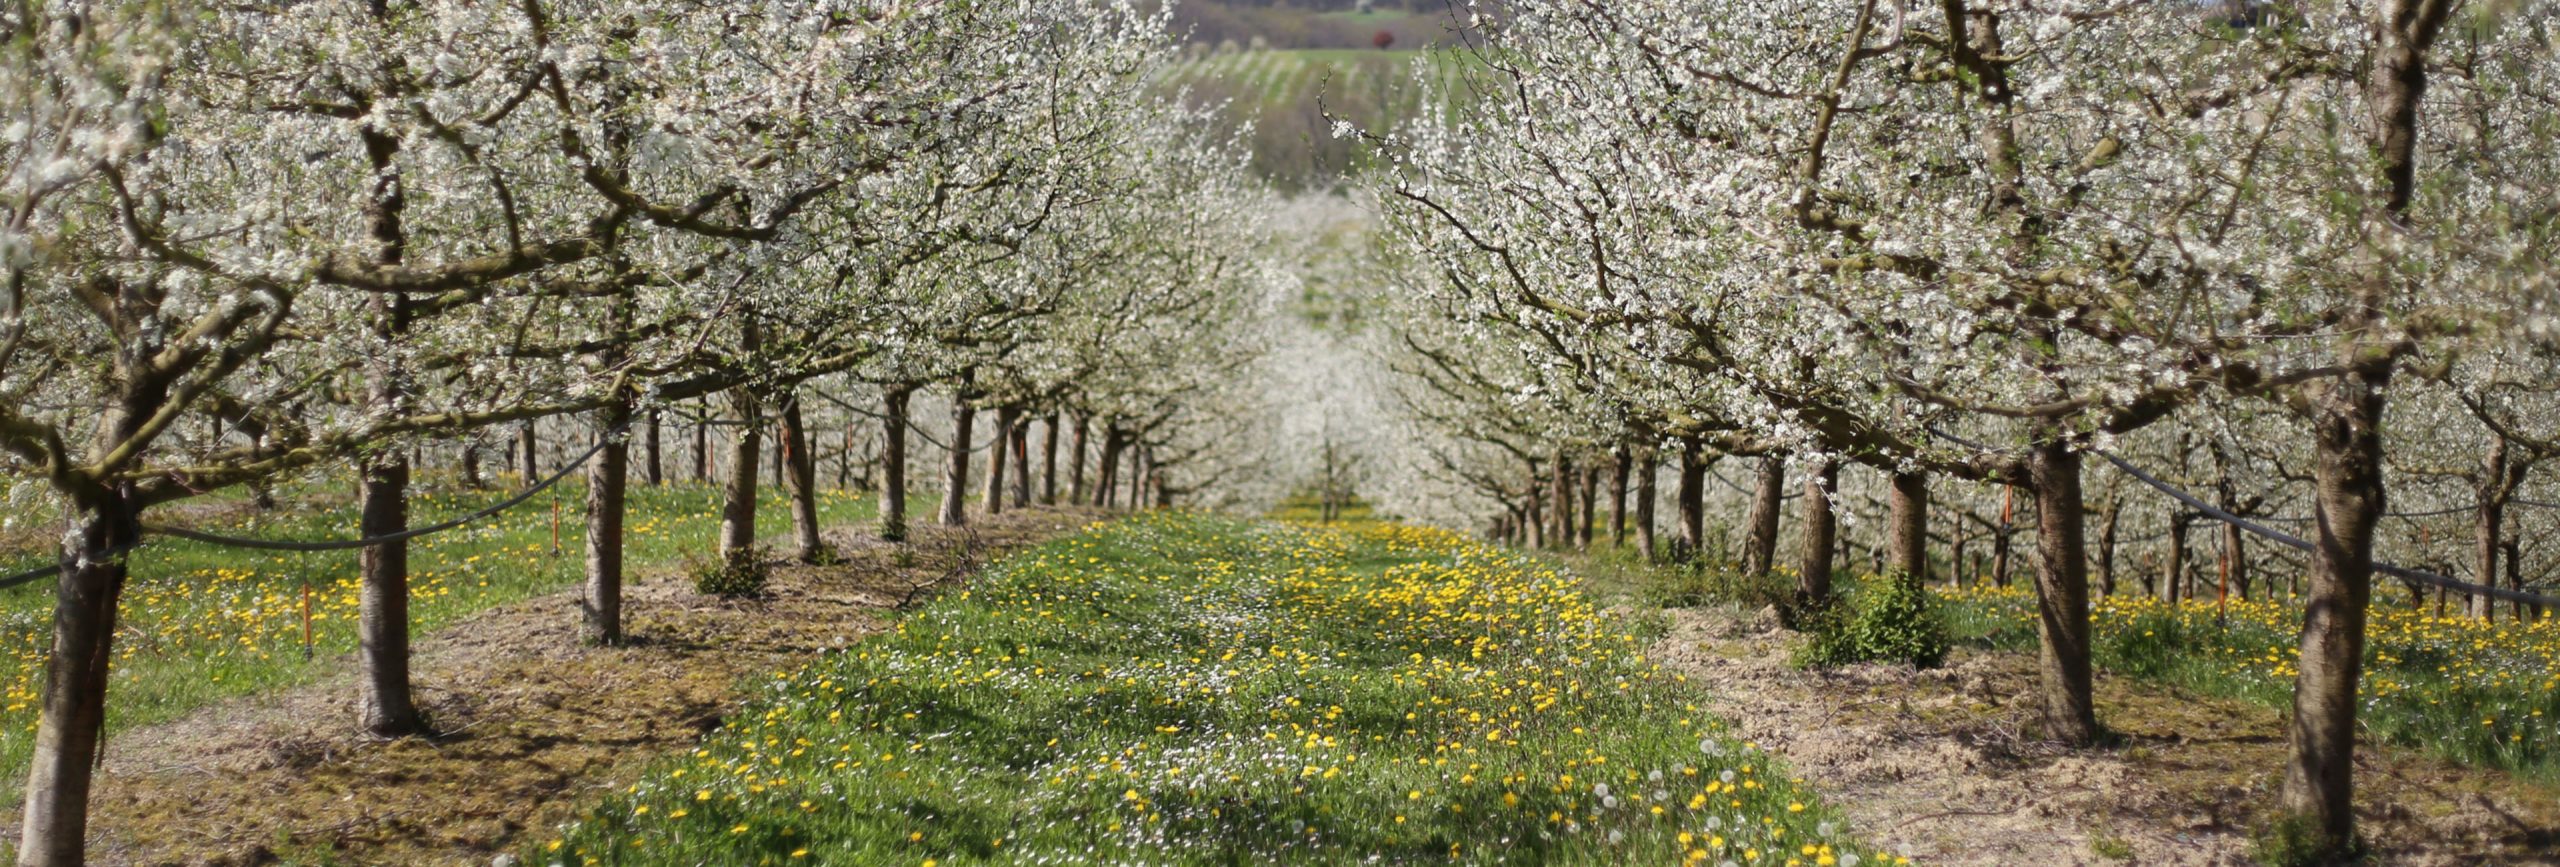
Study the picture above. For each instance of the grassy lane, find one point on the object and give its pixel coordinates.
(202, 623)
(1180, 689)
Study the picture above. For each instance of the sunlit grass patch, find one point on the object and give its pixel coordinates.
(1181, 689)
(200, 623)
(2474, 691)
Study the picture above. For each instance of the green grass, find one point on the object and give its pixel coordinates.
(2474, 692)
(1182, 689)
(199, 624)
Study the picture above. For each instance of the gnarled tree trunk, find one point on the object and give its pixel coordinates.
(1761, 546)
(1692, 500)
(800, 471)
(1813, 585)
(74, 702)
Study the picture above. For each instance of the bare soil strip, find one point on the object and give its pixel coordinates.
(1944, 767)
(531, 722)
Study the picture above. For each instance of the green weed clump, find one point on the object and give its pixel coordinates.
(739, 575)
(1889, 618)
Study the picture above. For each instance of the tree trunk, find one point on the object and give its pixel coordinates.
(2000, 538)
(2515, 579)
(800, 470)
(1021, 441)
(2171, 582)
(955, 477)
(702, 441)
(1076, 449)
(1766, 497)
(1590, 505)
(529, 442)
(607, 475)
(1537, 511)
(746, 447)
(1813, 584)
(1910, 531)
(1106, 474)
(1956, 563)
(893, 463)
(2062, 593)
(2318, 776)
(1620, 465)
(1049, 460)
(2107, 551)
(999, 455)
(389, 708)
(1647, 490)
(1140, 467)
(651, 451)
(471, 466)
(1691, 499)
(2492, 512)
(1560, 484)
(73, 706)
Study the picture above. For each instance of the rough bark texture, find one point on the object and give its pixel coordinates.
(389, 708)
(2062, 594)
(1647, 491)
(1021, 443)
(2347, 416)
(471, 467)
(1561, 486)
(999, 454)
(607, 475)
(74, 703)
(1076, 449)
(746, 448)
(1909, 541)
(2491, 493)
(800, 470)
(1692, 499)
(1107, 474)
(1049, 460)
(2173, 578)
(955, 475)
(1620, 465)
(1821, 524)
(529, 457)
(893, 463)
(2107, 550)
(1537, 511)
(1760, 550)
(1590, 494)
(652, 451)
(702, 441)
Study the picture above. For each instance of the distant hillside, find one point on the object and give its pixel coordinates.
(1287, 94)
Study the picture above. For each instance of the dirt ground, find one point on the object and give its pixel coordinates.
(1944, 766)
(530, 722)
